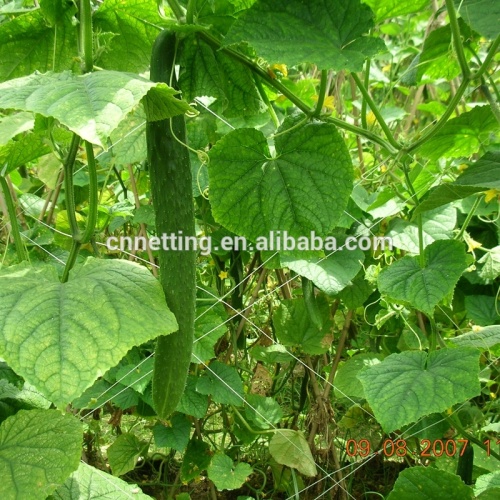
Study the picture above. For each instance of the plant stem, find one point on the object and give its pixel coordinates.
(176, 9)
(93, 195)
(21, 251)
(375, 111)
(292, 97)
(442, 121)
(419, 217)
(86, 41)
(190, 12)
(264, 97)
(322, 93)
(247, 426)
(457, 39)
(364, 124)
(454, 422)
(468, 218)
(68, 185)
(338, 354)
(73, 254)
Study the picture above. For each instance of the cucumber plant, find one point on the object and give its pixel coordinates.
(316, 372)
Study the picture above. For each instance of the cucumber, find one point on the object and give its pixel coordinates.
(466, 464)
(171, 189)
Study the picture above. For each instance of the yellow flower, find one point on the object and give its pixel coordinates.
(491, 194)
(223, 275)
(472, 244)
(328, 103)
(278, 67)
(370, 118)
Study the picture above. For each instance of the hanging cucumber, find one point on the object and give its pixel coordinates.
(170, 176)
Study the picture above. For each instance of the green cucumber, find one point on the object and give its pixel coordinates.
(466, 463)
(171, 189)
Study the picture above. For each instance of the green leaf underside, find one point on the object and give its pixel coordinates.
(39, 449)
(90, 105)
(426, 483)
(331, 274)
(304, 188)
(405, 281)
(61, 336)
(484, 339)
(407, 386)
(345, 383)
(290, 448)
(91, 483)
(225, 475)
(327, 33)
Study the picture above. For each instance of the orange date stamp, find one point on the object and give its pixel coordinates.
(399, 447)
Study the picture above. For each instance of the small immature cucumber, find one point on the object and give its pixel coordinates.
(171, 189)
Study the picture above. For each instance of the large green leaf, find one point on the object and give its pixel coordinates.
(303, 187)
(424, 287)
(90, 105)
(89, 483)
(327, 33)
(427, 483)
(385, 9)
(461, 136)
(482, 15)
(61, 336)
(290, 448)
(39, 449)
(331, 274)
(135, 24)
(407, 386)
(38, 41)
(226, 475)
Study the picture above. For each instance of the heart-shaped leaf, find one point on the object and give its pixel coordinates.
(408, 386)
(39, 449)
(226, 475)
(61, 336)
(302, 188)
(424, 287)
